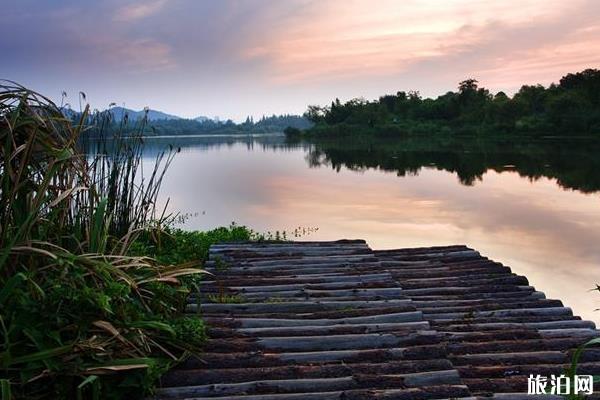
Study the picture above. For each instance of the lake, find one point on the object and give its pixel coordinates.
(533, 206)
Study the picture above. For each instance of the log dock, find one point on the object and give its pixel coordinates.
(337, 320)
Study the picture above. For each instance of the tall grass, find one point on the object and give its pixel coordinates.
(79, 315)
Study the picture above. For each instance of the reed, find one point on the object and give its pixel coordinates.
(80, 316)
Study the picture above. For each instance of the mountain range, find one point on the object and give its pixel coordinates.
(153, 115)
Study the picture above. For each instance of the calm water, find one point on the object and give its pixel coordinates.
(533, 208)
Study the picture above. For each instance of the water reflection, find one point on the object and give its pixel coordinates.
(509, 200)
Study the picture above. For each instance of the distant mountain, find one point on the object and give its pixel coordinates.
(153, 115)
(202, 118)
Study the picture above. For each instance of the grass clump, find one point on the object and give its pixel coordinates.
(174, 246)
(90, 307)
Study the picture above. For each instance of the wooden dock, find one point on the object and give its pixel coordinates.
(337, 320)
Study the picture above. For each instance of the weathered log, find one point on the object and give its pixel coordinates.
(497, 385)
(421, 250)
(337, 329)
(502, 371)
(544, 344)
(297, 279)
(379, 292)
(493, 290)
(510, 358)
(486, 336)
(551, 311)
(443, 272)
(519, 302)
(318, 384)
(425, 266)
(544, 325)
(372, 319)
(313, 286)
(313, 260)
(438, 255)
(584, 333)
(347, 342)
(299, 307)
(463, 282)
(259, 359)
(422, 393)
(181, 377)
(479, 295)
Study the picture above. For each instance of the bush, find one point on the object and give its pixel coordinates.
(83, 311)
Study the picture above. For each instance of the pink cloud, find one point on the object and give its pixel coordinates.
(330, 41)
(140, 10)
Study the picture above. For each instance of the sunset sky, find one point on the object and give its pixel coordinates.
(253, 57)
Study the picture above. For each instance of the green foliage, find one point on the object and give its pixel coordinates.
(571, 372)
(573, 106)
(175, 246)
(174, 127)
(81, 316)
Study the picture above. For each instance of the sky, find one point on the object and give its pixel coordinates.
(234, 58)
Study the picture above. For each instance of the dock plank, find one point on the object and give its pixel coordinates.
(337, 320)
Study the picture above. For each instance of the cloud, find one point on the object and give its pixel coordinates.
(395, 39)
(137, 11)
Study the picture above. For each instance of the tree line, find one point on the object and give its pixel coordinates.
(107, 123)
(571, 107)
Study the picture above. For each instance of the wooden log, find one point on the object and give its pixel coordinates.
(314, 384)
(309, 330)
(544, 344)
(347, 270)
(550, 311)
(585, 333)
(299, 307)
(465, 282)
(181, 377)
(479, 295)
(251, 254)
(423, 267)
(518, 302)
(347, 342)
(492, 290)
(511, 358)
(335, 314)
(379, 292)
(502, 371)
(313, 286)
(319, 330)
(256, 387)
(486, 336)
(259, 359)
(438, 255)
(498, 385)
(443, 272)
(421, 250)
(373, 319)
(305, 260)
(422, 393)
(491, 306)
(332, 314)
(545, 325)
(287, 279)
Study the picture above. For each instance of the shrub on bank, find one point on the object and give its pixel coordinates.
(84, 312)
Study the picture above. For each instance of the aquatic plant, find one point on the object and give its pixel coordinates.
(80, 316)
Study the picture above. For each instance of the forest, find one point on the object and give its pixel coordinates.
(569, 107)
(106, 122)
